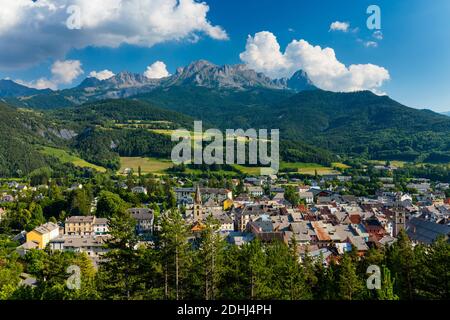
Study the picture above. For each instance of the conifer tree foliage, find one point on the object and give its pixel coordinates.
(176, 254)
(387, 286)
(211, 256)
(402, 261)
(119, 276)
(350, 286)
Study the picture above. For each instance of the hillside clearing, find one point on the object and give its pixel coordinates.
(148, 165)
(66, 157)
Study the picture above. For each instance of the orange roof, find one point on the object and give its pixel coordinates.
(198, 226)
(322, 235)
(355, 218)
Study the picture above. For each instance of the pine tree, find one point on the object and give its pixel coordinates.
(402, 262)
(387, 286)
(37, 216)
(119, 268)
(434, 262)
(308, 266)
(298, 290)
(259, 288)
(175, 253)
(350, 285)
(235, 280)
(211, 253)
(80, 204)
(327, 278)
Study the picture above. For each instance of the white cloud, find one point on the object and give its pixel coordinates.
(63, 72)
(371, 44)
(102, 75)
(42, 83)
(340, 26)
(157, 70)
(378, 35)
(262, 53)
(10, 14)
(36, 31)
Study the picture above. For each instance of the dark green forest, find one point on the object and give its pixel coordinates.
(316, 126)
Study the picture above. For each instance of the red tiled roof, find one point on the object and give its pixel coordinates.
(355, 218)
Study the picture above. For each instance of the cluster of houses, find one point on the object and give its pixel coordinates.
(83, 233)
(326, 224)
(13, 190)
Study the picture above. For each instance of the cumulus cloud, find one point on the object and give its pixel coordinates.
(378, 35)
(34, 31)
(63, 72)
(157, 70)
(102, 75)
(340, 26)
(263, 53)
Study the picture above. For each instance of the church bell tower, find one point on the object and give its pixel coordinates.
(399, 222)
(198, 207)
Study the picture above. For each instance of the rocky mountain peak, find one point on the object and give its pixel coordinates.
(128, 79)
(300, 82)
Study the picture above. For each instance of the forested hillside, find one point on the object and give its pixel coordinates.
(21, 132)
(362, 124)
(316, 126)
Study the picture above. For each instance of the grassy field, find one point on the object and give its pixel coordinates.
(66, 157)
(253, 171)
(309, 168)
(300, 167)
(166, 132)
(152, 125)
(339, 165)
(398, 164)
(158, 166)
(148, 165)
(194, 136)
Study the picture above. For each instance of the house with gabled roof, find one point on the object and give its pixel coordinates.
(422, 231)
(43, 234)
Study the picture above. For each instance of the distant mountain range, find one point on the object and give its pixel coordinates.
(9, 88)
(125, 84)
(100, 120)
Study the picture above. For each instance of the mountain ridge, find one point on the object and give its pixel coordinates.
(199, 73)
(10, 88)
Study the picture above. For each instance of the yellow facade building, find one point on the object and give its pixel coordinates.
(227, 204)
(43, 234)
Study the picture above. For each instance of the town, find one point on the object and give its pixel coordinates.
(317, 216)
(226, 159)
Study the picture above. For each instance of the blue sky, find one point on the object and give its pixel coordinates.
(415, 48)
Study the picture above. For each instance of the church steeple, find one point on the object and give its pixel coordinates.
(198, 196)
(198, 208)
